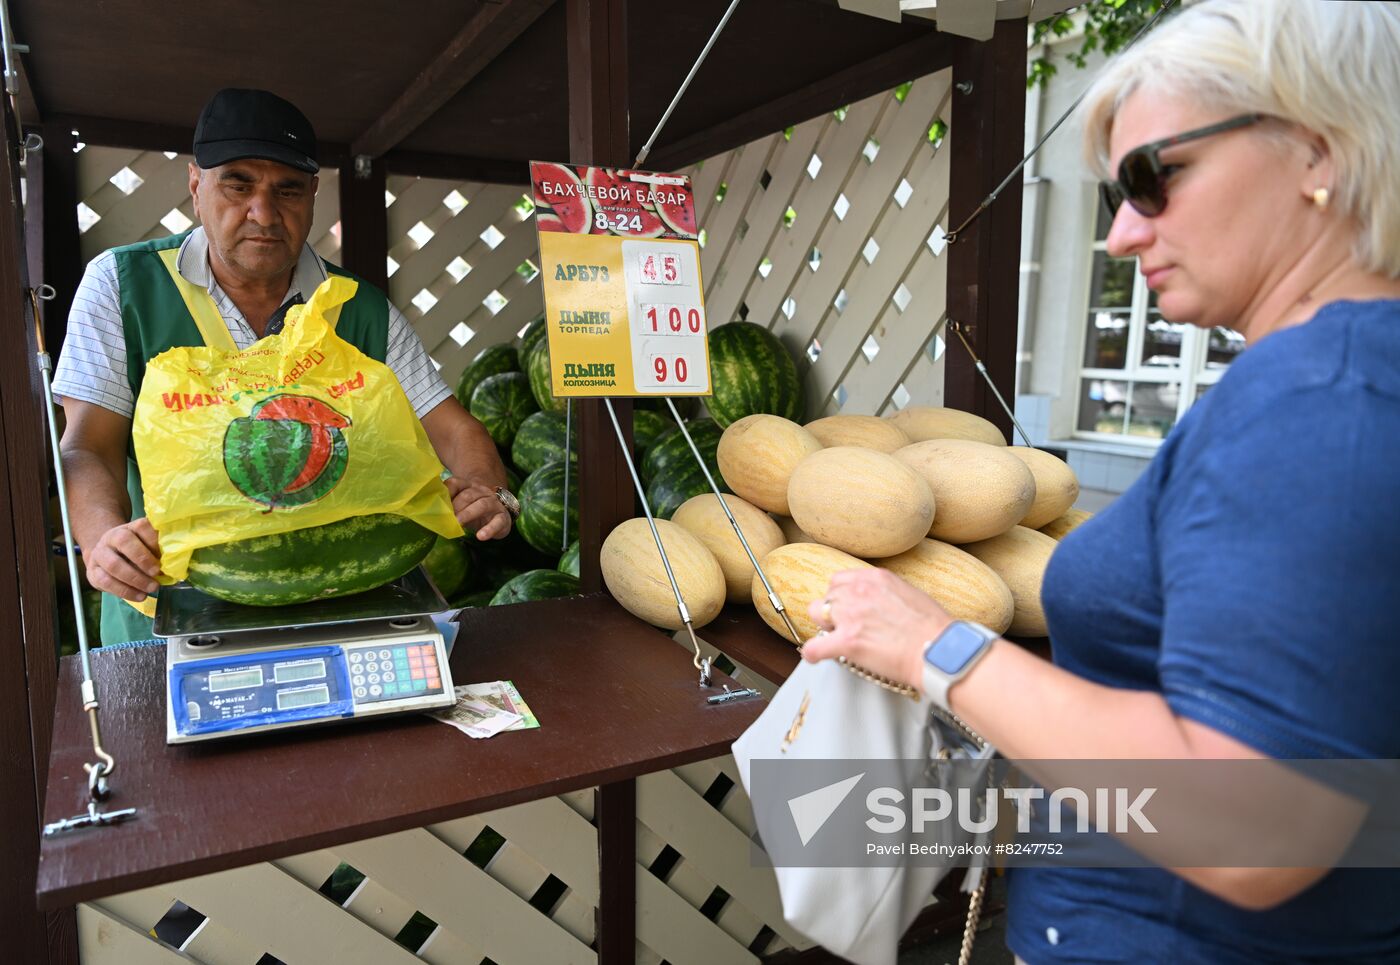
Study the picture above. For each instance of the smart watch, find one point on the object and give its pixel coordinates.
(950, 656)
(509, 501)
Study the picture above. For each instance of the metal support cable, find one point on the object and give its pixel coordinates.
(685, 84)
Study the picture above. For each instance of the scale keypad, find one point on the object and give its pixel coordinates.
(393, 672)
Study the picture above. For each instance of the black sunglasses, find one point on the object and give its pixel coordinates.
(1142, 177)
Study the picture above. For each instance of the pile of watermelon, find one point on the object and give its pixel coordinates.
(507, 387)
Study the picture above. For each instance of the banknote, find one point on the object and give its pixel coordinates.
(478, 718)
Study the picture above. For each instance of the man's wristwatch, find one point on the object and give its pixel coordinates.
(509, 501)
(951, 655)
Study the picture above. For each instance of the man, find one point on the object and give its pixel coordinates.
(254, 186)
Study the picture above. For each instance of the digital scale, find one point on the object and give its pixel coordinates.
(233, 670)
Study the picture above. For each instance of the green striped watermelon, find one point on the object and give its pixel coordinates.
(677, 483)
(541, 440)
(647, 427)
(751, 372)
(316, 563)
(502, 402)
(541, 519)
(536, 365)
(476, 598)
(531, 334)
(536, 585)
(450, 564)
(492, 360)
(672, 449)
(568, 563)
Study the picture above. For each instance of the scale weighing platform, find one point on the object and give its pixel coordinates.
(233, 670)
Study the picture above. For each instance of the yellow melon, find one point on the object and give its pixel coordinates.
(1019, 556)
(979, 490)
(860, 501)
(703, 517)
(799, 573)
(1056, 486)
(921, 422)
(961, 583)
(635, 577)
(757, 455)
(792, 533)
(1061, 526)
(866, 431)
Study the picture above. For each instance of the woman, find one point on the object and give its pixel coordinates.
(1235, 603)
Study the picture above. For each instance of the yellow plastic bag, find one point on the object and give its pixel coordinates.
(301, 429)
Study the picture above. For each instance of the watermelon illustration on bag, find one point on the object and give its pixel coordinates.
(288, 451)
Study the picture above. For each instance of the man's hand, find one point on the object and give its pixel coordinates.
(479, 508)
(125, 561)
(464, 447)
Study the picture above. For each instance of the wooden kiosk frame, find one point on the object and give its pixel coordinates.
(516, 79)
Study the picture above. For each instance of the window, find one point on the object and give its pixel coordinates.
(1140, 372)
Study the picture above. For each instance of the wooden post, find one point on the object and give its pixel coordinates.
(598, 134)
(28, 657)
(364, 222)
(988, 133)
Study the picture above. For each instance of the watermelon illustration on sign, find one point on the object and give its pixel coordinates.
(289, 451)
(620, 208)
(611, 201)
(561, 202)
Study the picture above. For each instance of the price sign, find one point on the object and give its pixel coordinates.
(624, 305)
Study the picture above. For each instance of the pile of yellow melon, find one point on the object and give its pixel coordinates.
(932, 495)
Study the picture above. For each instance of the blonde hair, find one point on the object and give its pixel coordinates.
(1332, 68)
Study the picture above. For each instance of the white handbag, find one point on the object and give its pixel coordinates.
(826, 712)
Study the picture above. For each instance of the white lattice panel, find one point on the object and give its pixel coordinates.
(533, 899)
(822, 235)
(462, 257)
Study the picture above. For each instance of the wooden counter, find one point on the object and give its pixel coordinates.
(615, 699)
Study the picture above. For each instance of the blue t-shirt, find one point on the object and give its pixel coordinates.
(1251, 576)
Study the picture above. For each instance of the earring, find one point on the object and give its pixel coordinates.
(1320, 198)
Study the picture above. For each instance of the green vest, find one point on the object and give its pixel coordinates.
(155, 317)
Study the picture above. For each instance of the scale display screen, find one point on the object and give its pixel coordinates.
(303, 697)
(284, 673)
(222, 680)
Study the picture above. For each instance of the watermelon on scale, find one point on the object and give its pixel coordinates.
(541, 520)
(502, 402)
(536, 585)
(751, 372)
(492, 360)
(316, 563)
(541, 440)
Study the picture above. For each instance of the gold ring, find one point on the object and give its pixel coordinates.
(826, 613)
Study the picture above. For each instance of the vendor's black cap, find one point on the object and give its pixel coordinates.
(238, 123)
